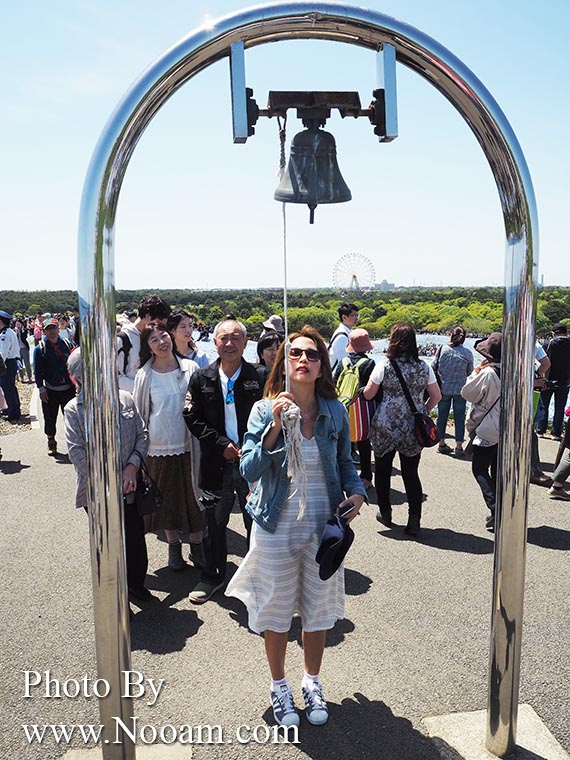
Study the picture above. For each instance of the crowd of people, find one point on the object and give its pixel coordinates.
(275, 439)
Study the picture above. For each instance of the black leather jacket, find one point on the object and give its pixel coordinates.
(206, 417)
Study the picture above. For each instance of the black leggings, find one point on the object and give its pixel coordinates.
(409, 467)
(365, 451)
(484, 468)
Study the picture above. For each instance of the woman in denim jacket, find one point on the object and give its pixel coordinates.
(279, 577)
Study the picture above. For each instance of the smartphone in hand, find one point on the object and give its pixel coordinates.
(347, 509)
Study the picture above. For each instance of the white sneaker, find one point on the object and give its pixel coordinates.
(204, 591)
(283, 704)
(317, 710)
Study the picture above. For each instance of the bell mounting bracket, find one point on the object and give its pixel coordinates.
(316, 106)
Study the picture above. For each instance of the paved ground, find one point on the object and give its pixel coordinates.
(414, 642)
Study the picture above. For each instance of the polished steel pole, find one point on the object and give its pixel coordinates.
(106, 528)
(365, 28)
(511, 511)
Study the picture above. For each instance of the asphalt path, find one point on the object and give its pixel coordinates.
(414, 642)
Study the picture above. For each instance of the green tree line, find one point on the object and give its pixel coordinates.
(478, 310)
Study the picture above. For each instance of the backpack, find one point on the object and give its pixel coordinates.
(70, 346)
(126, 349)
(348, 382)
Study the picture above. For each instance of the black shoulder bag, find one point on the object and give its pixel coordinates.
(424, 427)
(147, 495)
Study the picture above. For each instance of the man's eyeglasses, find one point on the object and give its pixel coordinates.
(311, 353)
(230, 394)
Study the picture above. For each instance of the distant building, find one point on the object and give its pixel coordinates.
(385, 285)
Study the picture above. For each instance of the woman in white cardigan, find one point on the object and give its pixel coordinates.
(159, 393)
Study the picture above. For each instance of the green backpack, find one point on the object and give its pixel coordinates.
(348, 383)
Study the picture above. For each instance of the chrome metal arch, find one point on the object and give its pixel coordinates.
(419, 52)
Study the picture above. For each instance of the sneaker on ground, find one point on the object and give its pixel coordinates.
(52, 446)
(556, 437)
(445, 449)
(558, 493)
(539, 479)
(204, 591)
(283, 704)
(317, 710)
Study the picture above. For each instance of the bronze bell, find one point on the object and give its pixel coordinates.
(313, 176)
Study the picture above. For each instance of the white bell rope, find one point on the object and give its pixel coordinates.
(291, 415)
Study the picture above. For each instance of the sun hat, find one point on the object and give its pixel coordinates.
(490, 347)
(336, 540)
(359, 342)
(274, 323)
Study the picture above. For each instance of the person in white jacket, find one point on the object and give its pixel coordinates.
(348, 315)
(483, 391)
(151, 309)
(10, 352)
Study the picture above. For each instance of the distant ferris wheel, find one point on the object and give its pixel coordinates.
(354, 272)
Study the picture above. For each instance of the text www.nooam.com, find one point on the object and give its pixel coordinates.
(91, 733)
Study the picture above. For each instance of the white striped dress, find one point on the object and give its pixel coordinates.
(279, 577)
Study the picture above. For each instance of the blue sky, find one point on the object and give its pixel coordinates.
(197, 211)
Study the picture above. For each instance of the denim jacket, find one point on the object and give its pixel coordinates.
(268, 468)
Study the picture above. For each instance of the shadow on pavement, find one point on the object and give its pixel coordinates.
(356, 583)
(444, 538)
(176, 585)
(160, 629)
(236, 543)
(549, 538)
(12, 468)
(364, 729)
(397, 497)
(335, 636)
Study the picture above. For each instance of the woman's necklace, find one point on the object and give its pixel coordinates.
(309, 414)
